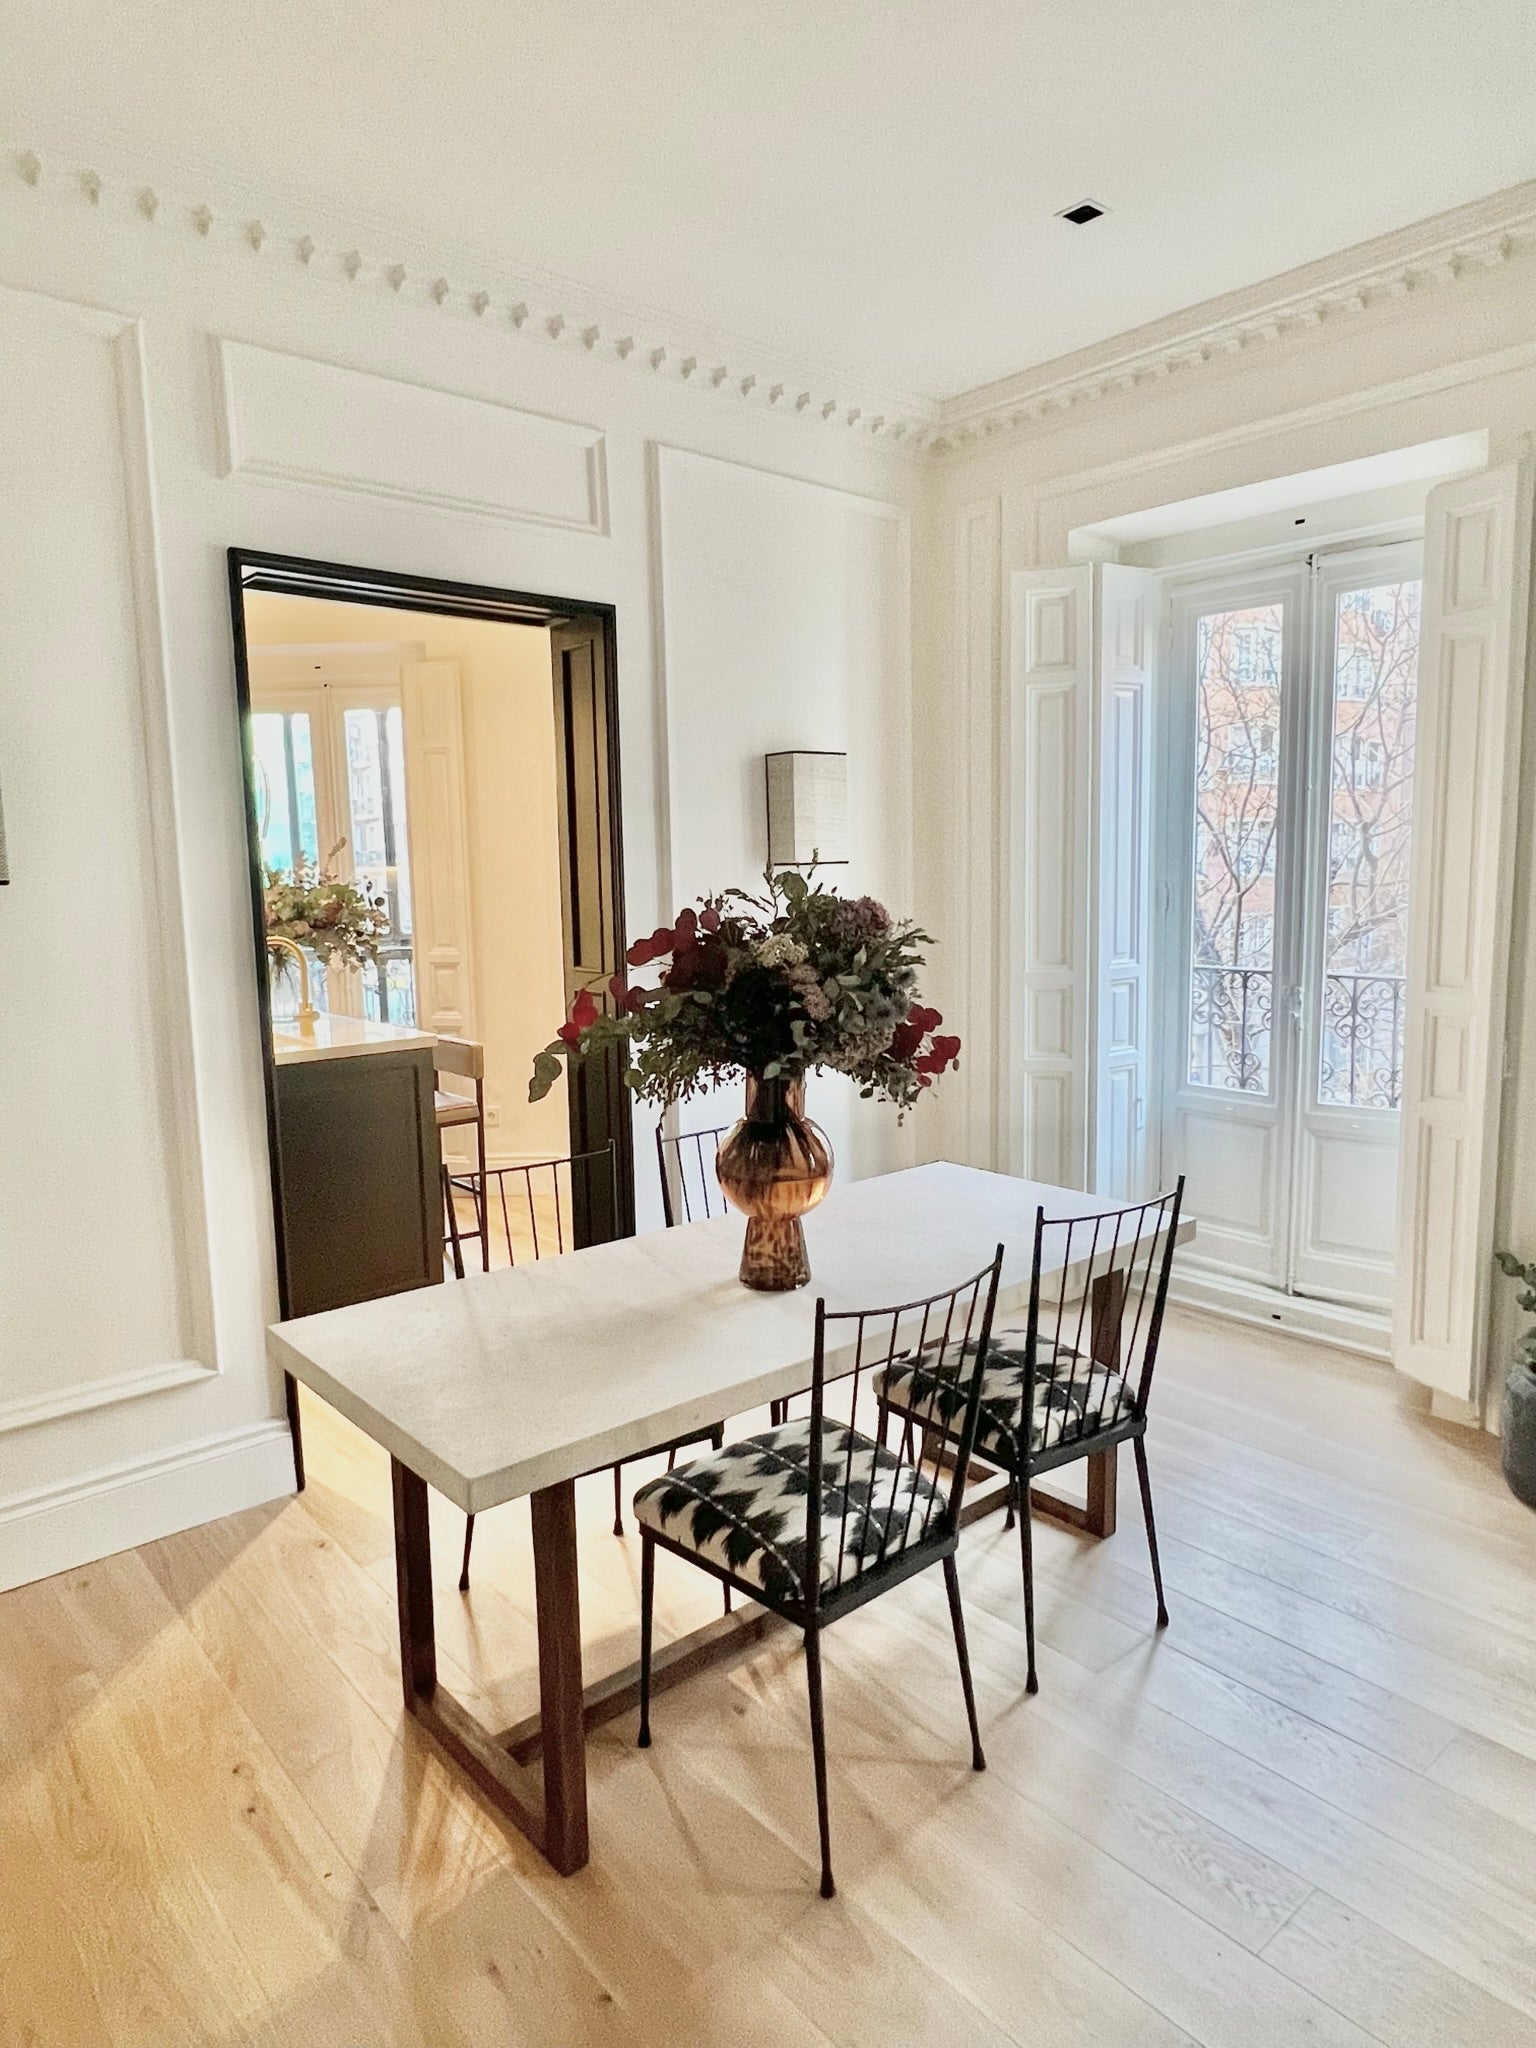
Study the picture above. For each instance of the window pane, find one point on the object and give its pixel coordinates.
(285, 788)
(1365, 946)
(380, 857)
(1238, 666)
(288, 830)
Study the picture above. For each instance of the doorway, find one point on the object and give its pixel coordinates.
(1286, 833)
(445, 758)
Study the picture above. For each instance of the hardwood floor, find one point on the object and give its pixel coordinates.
(1305, 1814)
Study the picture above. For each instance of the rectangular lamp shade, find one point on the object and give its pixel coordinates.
(807, 809)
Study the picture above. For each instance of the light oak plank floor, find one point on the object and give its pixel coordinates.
(1305, 1815)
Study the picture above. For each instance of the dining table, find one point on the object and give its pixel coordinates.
(522, 1380)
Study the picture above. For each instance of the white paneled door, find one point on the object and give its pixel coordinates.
(1477, 562)
(335, 764)
(1050, 725)
(1288, 823)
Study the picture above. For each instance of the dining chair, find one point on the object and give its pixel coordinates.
(464, 1059)
(813, 1518)
(1072, 1381)
(553, 1203)
(691, 1193)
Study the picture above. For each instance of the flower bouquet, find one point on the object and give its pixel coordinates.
(309, 906)
(773, 987)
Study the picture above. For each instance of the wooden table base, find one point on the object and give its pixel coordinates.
(549, 1805)
(551, 1810)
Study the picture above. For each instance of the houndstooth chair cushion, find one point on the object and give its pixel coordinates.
(1068, 1388)
(744, 1508)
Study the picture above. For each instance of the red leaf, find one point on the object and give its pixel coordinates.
(711, 918)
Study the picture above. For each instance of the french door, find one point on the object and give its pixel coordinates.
(1288, 803)
(330, 771)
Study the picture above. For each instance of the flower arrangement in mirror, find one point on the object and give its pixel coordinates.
(771, 987)
(309, 906)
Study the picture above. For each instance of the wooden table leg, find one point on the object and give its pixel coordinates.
(295, 1428)
(562, 1719)
(1106, 1307)
(554, 1817)
(413, 1586)
(1096, 1517)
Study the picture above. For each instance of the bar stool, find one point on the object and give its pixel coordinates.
(465, 1060)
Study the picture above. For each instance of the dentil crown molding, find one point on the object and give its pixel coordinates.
(1428, 256)
(217, 208)
(226, 214)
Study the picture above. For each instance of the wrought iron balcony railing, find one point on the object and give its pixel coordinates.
(1361, 1054)
(1362, 1051)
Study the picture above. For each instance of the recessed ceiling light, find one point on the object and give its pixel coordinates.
(1084, 211)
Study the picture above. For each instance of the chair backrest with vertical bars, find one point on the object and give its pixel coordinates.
(1096, 1317)
(549, 1205)
(886, 1504)
(689, 1190)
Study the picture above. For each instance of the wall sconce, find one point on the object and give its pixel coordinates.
(807, 809)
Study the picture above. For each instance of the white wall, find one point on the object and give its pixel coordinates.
(762, 654)
(1461, 360)
(469, 452)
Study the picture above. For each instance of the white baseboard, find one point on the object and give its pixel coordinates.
(1244, 1301)
(57, 1528)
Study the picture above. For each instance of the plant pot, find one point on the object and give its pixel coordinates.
(774, 1166)
(1519, 1433)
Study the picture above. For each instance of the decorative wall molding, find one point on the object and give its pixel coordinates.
(55, 1528)
(223, 212)
(30, 1409)
(125, 448)
(298, 420)
(217, 209)
(1429, 256)
(974, 825)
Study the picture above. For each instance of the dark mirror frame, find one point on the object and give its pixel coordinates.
(599, 1103)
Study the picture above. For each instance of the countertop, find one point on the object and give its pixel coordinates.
(334, 1037)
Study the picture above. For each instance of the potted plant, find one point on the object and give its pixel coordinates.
(1518, 1421)
(769, 987)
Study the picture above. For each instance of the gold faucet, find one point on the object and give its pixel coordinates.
(308, 1016)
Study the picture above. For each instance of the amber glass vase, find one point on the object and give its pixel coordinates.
(774, 1166)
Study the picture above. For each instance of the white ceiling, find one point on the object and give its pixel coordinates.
(870, 183)
(1424, 462)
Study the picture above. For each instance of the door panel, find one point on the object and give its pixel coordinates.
(1477, 572)
(1050, 730)
(437, 814)
(1291, 779)
(591, 889)
(1236, 1156)
(1233, 771)
(1365, 651)
(1128, 618)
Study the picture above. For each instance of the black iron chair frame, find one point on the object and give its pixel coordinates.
(936, 1544)
(674, 1145)
(456, 1181)
(777, 1410)
(1103, 1305)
